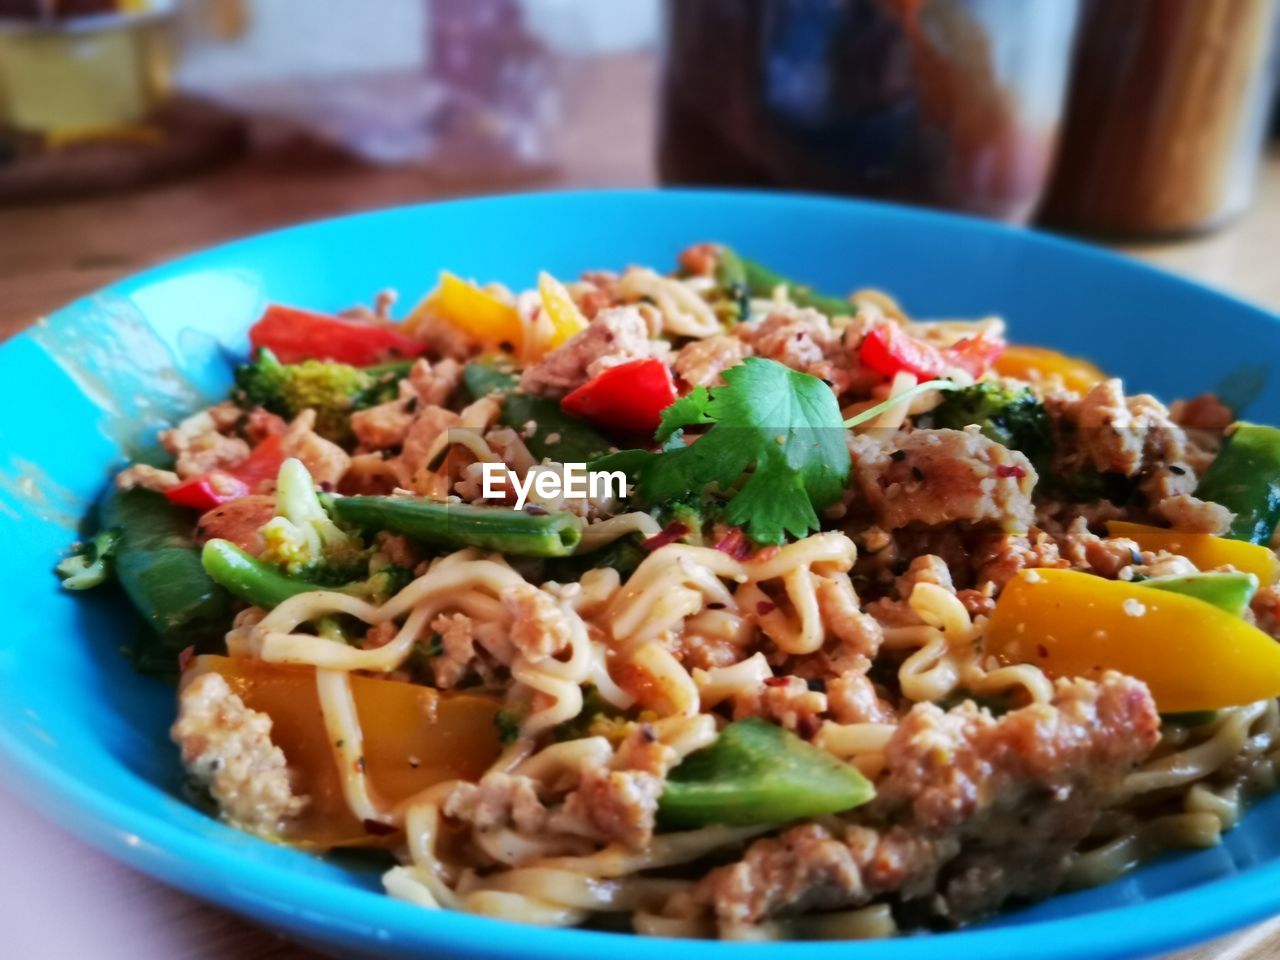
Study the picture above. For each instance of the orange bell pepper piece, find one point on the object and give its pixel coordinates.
(414, 736)
(1203, 549)
(1192, 655)
(464, 305)
(1040, 364)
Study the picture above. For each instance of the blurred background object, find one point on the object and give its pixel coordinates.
(950, 103)
(1168, 112)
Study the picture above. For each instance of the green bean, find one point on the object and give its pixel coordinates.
(762, 282)
(462, 525)
(248, 577)
(158, 566)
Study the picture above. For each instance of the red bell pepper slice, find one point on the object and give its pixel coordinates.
(295, 335)
(630, 396)
(890, 350)
(212, 489)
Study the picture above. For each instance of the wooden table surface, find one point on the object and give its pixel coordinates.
(62, 899)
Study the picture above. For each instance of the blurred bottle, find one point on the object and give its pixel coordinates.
(1167, 115)
(951, 103)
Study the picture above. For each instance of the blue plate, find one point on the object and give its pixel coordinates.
(86, 740)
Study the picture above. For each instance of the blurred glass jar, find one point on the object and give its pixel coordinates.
(1167, 115)
(950, 103)
(87, 68)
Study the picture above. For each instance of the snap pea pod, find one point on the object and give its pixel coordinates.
(1245, 478)
(756, 772)
(1226, 591)
(731, 278)
(159, 568)
(761, 281)
(462, 525)
(248, 577)
(555, 435)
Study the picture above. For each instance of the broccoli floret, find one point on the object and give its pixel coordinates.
(332, 390)
(302, 539)
(388, 580)
(90, 565)
(1011, 416)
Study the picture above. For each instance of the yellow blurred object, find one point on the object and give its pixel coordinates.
(1192, 655)
(465, 306)
(85, 78)
(1206, 551)
(1042, 365)
(566, 319)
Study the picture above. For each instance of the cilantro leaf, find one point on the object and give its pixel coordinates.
(779, 428)
(685, 412)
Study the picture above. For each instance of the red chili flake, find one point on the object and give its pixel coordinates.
(379, 829)
(764, 606)
(1007, 470)
(807, 726)
(1042, 650)
(776, 681)
(672, 533)
(735, 544)
(185, 657)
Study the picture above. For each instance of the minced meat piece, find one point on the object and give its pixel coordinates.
(227, 748)
(936, 477)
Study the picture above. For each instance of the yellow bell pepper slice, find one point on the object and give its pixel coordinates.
(566, 319)
(1204, 550)
(1191, 655)
(1040, 364)
(465, 306)
(414, 738)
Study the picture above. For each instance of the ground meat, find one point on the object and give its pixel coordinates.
(227, 748)
(970, 797)
(1122, 435)
(324, 459)
(926, 568)
(699, 259)
(434, 383)
(1266, 609)
(620, 805)
(498, 801)
(786, 701)
(1193, 515)
(148, 477)
(423, 433)
(539, 627)
(260, 424)
(999, 557)
(852, 698)
(457, 649)
(240, 521)
(384, 426)
(1084, 550)
(936, 477)
(803, 339)
(701, 362)
(1205, 412)
(199, 446)
(615, 336)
